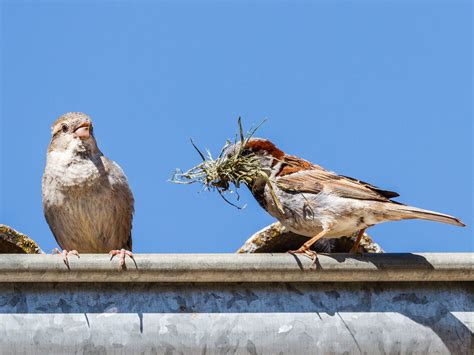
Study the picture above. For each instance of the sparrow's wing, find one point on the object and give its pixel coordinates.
(123, 203)
(316, 180)
(51, 214)
(385, 193)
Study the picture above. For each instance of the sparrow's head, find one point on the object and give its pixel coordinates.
(73, 132)
(266, 152)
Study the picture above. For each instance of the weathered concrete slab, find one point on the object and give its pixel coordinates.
(14, 242)
(275, 238)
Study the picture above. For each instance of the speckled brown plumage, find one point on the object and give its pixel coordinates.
(86, 198)
(318, 203)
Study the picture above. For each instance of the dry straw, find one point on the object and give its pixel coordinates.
(227, 169)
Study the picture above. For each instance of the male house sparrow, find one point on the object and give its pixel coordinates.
(321, 204)
(86, 198)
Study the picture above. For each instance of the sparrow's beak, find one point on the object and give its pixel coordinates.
(83, 131)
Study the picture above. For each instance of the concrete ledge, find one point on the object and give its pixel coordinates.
(240, 268)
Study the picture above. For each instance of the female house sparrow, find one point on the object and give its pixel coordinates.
(321, 204)
(86, 198)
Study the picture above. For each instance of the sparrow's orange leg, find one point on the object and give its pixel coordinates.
(355, 247)
(65, 253)
(122, 253)
(306, 248)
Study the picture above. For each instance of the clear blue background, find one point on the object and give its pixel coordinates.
(380, 91)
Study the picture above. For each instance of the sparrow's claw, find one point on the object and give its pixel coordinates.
(307, 252)
(65, 253)
(122, 253)
(355, 250)
(355, 247)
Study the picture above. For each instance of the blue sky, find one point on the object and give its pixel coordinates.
(381, 91)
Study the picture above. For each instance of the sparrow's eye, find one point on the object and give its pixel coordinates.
(64, 128)
(246, 152)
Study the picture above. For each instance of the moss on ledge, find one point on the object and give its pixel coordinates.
(14, 242)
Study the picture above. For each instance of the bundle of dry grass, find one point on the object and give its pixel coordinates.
(221, 173)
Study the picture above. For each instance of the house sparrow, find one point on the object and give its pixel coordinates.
(86, 198)
(318, 203)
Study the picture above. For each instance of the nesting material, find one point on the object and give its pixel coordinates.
(226, 173)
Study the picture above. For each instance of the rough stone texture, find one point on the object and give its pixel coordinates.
(275, 238)
(237, 318)
(14, 242)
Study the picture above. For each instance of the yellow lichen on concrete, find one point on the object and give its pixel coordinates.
(12, 241)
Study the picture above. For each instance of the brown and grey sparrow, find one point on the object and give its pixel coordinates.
(86, 198)
(318, 203)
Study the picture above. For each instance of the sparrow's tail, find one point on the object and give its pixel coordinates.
(409, 212)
